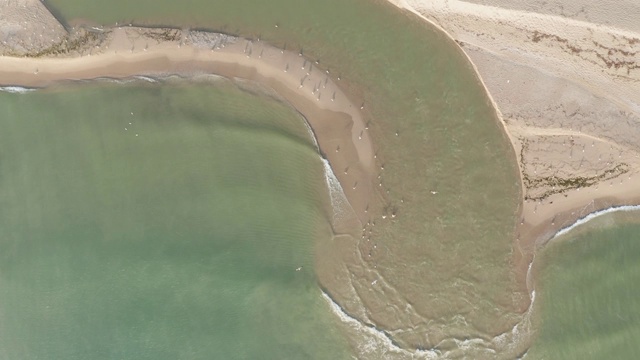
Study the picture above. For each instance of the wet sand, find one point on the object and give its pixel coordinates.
(336, 121)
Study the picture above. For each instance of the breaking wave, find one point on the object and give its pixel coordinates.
(594, 215)
(341, 207)
(312, 135)
(377, 342)
(16, 89)
(146, 78)
(526, 322)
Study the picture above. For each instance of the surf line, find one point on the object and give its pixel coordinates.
(380, 337)
(581, 221)
(593, 215)
(300, 81)
(16, 89)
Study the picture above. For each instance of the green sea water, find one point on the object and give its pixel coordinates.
(589, 293)
(434, 129)
(447, 254)
(159, 222)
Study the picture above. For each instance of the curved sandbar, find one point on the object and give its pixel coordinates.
(336, 121)
(368, 271)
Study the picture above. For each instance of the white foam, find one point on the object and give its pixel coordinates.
(377, 341)
(595, 215)
(519, 330)
(341, 206)
(526, 319)
(311, 133)
(16, 89)
(473, 344)
(146, 78)
(110, 80)
(525, 324)
(528, 279)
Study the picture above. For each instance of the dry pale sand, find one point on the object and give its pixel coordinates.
(27, 26)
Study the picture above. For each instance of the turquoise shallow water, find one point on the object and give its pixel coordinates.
(177, 238)
(589, 294)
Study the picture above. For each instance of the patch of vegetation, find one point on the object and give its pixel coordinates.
(82, 39)
(164, 34)
(557, 185)
(610, 63)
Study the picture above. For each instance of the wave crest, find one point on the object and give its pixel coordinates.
(16, 89)
(594, 215)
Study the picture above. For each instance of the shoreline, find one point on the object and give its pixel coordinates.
(132, 51)
(338, 126)
(593, 215)
(544, 210)
(559, 193)
(336, 122)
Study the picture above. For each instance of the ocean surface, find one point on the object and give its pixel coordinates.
(159, 221)
(449, 171)
(589, 298)
(206, 210)
(447, 255)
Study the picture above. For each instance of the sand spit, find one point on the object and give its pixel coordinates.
(129, 51)
(568, 92)
(342, 137)
(566, 85)
(565, 90)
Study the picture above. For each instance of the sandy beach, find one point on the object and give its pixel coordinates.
(27, 26)
(335, 119)
(566, 88)
(127, 51)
